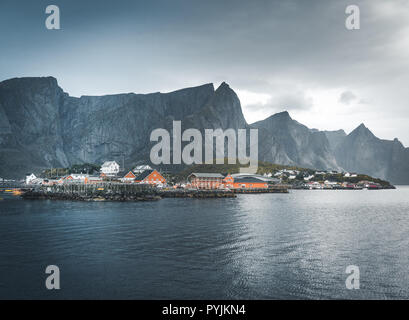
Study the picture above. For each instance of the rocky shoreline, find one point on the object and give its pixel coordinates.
(36, 195)
(198, 194)
(152, 195)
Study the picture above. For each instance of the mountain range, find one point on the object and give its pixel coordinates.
(41, 126)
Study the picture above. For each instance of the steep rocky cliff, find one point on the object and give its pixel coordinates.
(41, 126)
(361, 151)
(31, 129)
(335, 138)
(287, 141)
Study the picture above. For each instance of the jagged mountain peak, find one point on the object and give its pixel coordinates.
(280, 117)
(223, 109)
(362, 130)
(225, 90)
(362, 126)
(282, 114)
(294, 143)
(223, 86)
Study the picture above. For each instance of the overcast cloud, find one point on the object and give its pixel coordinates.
(277, 55)
(347, 97)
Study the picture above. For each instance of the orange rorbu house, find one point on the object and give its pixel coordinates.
(205, 180)
(249, 183)
(228, 181)
(216, 181)
(129, 177)
(150, 177)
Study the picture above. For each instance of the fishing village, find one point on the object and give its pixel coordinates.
(144, 183)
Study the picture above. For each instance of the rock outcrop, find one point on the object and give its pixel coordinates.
(286, 141)
(361, 151)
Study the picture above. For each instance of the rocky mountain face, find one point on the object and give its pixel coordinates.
(31, 127)
(286, 141)
(335, 138)
(41, 126)
(362, 151)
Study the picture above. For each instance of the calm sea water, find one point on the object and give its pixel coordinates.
(269, 246)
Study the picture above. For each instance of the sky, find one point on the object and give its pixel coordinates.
(292, 55)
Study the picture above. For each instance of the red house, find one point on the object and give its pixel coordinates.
(129, 177)
(205, 180)
(228, 181)
(150, 177)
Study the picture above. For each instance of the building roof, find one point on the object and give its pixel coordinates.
(130, 172)
(108, 163)
(250, 175)
(143, 175)
(142, 167)
(206, 175)
(248, 180)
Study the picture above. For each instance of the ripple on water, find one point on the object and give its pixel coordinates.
(271, 246)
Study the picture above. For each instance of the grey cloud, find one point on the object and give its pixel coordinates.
(148, 46)
(347, 97)
(284, 101)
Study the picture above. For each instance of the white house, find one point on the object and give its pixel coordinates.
(76, 177)
(30, 178)
(309, 177)
(110, 168)
(350, 175)
(330, 183)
